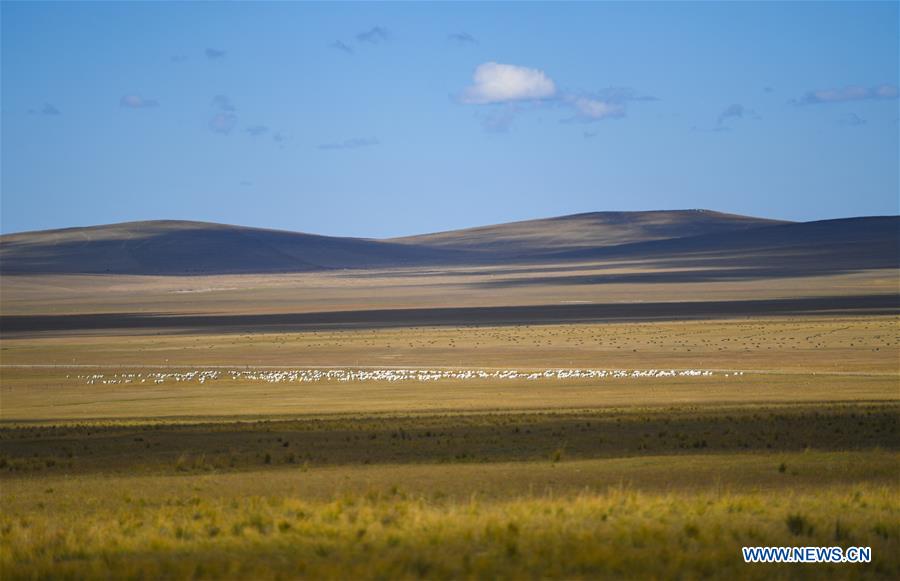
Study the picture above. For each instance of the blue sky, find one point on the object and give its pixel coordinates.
(384, 119)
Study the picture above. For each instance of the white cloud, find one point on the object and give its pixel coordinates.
(885, 92)
(499, 83)
(222, 123)
(850, 93)
(354, 143)
(137, 102)
(596, 109)
(525, 88)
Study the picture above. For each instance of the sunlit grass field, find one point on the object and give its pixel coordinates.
(392, 534)
(802, 344)
(618, 477)
(638, 491)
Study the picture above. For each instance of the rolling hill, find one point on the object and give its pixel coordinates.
(847, 243)
(686, 238)
(586, 231)
(167, 247)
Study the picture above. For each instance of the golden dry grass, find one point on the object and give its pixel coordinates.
(646, 492)
(803, 344)
(649, 478)
(34, 395)
(390, 534)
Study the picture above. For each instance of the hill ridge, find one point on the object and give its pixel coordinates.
(173, 247)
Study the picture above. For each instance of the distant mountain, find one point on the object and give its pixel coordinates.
(167, 247)
(586, 231)
(672, 239)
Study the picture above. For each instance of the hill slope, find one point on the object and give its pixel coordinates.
(842, 244)
(176, 247)
(585, 231)
(681, 239)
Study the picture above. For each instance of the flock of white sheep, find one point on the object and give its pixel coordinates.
(359, 375)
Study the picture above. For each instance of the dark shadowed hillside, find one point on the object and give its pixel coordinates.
(678, 239)
(825, 245)
(176, 247)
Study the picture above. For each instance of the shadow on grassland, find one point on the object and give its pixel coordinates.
(25, 325)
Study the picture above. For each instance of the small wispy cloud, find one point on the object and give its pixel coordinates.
(608, 103)
(224, 119)
(591, 109)
(257, 130)
(47, 109)
(851, 119)
(178, 58)
(137, 102)
(733, 111)
(494, 82)
(222, 123)
(713, 129)
(623, 94)
(341, 46)
(499, 120)
(355, 143)
(375, 35)
(462, 38)
(279, 138)
(214, 54)
(848, 93)
(223, 103)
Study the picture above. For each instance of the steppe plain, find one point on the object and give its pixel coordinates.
(601, 416)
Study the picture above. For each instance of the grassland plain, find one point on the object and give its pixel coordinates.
(36, 395)
(574, 478)
(614, 281)
(806, 344)
(635, 491)
(395, 535)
